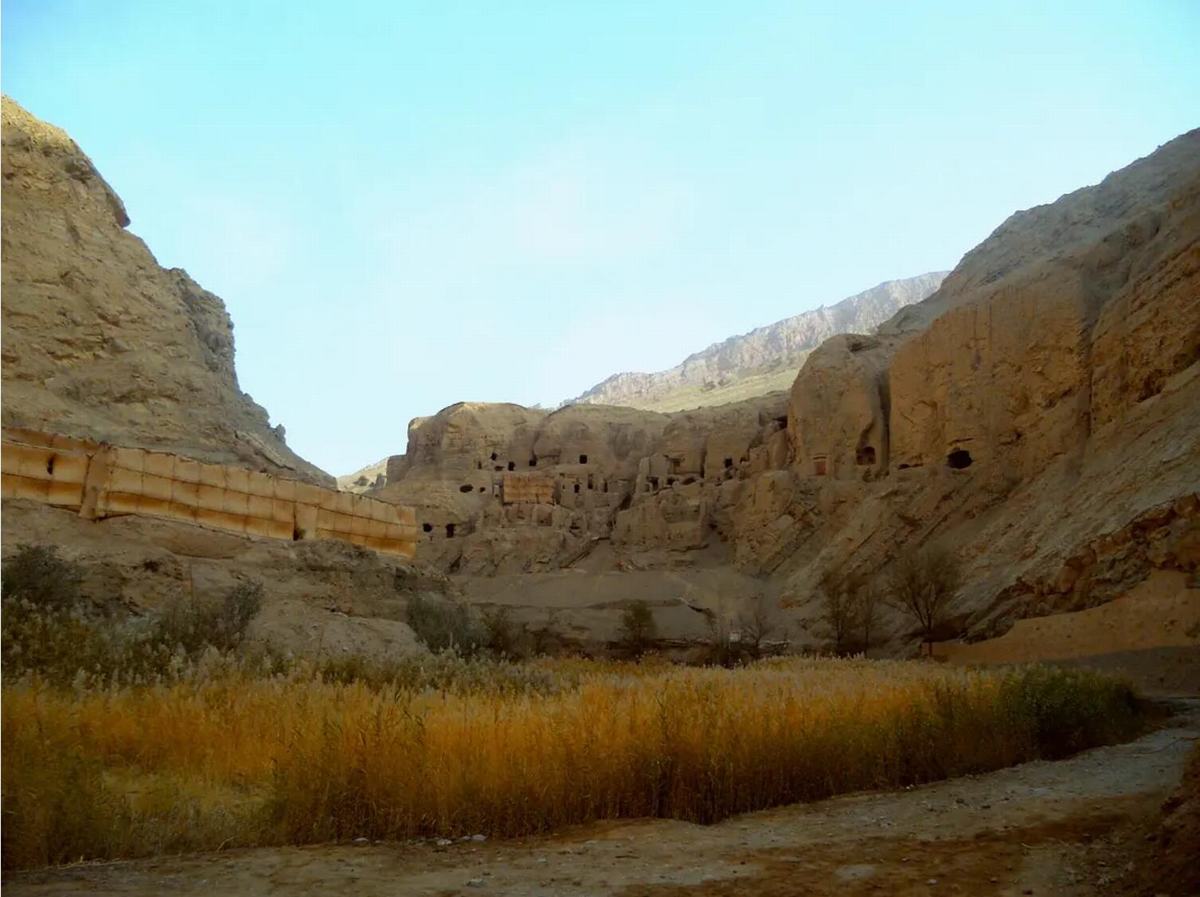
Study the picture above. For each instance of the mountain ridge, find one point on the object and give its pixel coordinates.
(761, 360)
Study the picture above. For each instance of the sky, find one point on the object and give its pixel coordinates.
(409, 204)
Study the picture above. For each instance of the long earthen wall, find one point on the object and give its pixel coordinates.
(99, 480)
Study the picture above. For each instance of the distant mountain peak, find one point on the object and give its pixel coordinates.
(761, 361)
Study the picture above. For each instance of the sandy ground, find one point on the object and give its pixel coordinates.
(1041, 828)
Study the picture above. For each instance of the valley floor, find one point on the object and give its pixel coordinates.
(1074, 827)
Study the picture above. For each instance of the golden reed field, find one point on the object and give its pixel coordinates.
(229, 759)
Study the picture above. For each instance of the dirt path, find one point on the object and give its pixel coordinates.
(1040, 828)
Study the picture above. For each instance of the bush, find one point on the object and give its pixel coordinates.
(37, 575)
(504, 639)
(444, 625)
(193, 626)
(50, 630)
(1066, 711)
(638, 630)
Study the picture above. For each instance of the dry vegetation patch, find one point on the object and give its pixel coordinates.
(455, 747)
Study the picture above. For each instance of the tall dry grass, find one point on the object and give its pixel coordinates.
(295, 759)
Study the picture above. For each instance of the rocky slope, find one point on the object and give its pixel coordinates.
(761, 361)
(1038, 415)
(101, 342)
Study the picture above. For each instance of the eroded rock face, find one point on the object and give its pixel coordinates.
(1039, 415)
(1045, 395)
(1045, 400)
(99, 341)
(319, 598)
(838, 409)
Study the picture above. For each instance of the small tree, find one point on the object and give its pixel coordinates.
(722, 650)
(839, 611)
(923, 585)
(866, 598)
(757, 624)
(638, 630)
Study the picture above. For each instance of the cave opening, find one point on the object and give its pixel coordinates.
(449, 530)
(959, 459)
(512, 465)
(494, 456)
(728, 463)
(865, 455)
(427, 527)
(533, 461)
(583, 459)
(466, 487)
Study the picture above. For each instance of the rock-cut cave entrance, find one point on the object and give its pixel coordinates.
(959, 459)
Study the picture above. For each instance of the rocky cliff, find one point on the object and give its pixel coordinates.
(1038, 415)
(762, 361)
(99, 341)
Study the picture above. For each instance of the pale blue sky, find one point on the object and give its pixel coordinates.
(404, 205)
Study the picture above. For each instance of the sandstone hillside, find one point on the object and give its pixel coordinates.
(101, 342)
(764, 360)
(1038, 415)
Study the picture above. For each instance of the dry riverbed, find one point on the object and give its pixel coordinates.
(1072, 827)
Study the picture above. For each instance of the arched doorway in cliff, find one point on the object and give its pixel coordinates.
(865, 455)
(959, 459)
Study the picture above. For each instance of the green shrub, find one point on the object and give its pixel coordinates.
(504, 638)
(444, 625)
(192, 625)
(38, 575)
(49, 629)
(1065, 710)
(638, 630)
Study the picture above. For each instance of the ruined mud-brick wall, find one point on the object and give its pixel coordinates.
(100, 481)
(527, 488)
